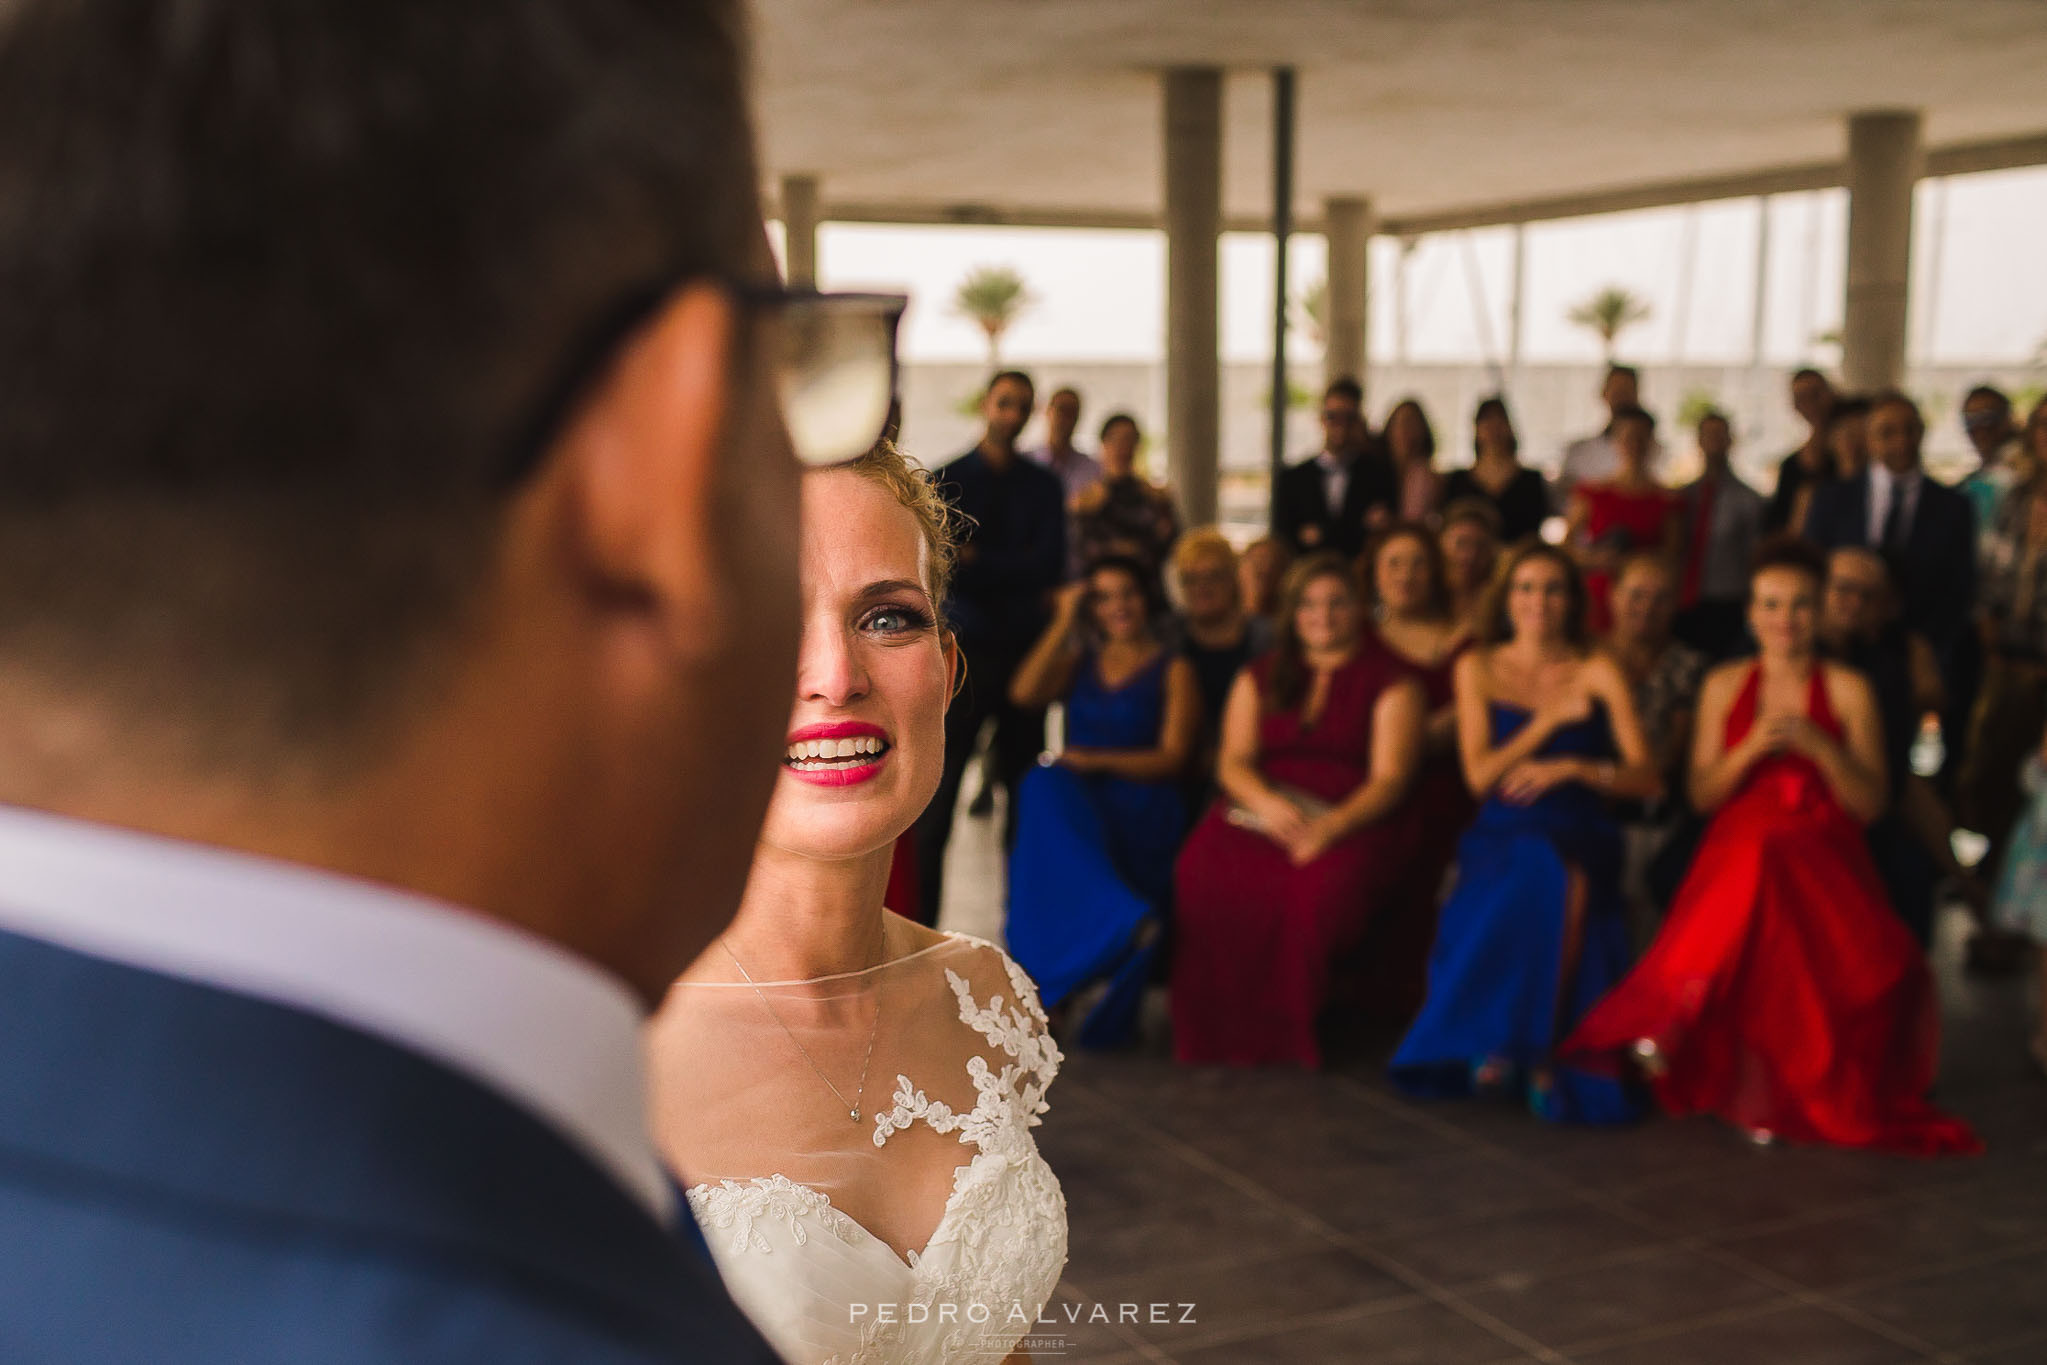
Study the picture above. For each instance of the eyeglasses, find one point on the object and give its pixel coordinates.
(833, 361)
(1987, 417)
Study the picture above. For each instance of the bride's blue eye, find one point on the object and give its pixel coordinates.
(896, 620)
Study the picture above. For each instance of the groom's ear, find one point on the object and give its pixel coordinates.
(636, 471)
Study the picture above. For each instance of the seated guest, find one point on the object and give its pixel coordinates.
(1926, 531)
(1664, 676)
(1913, 841)
(1260, 570)
(1497, 476)
(1471, 551)
(1813, 398)
(1663, 673)
(1212, 631)
(1410, 442)
(1097, 828)
(2020, 907)
(1333, 499)
(1783, 995)
(1322, 739)
(1723, 521)
(1630, 511)
(1124, 514)
(1408, 595)
(1534, 930)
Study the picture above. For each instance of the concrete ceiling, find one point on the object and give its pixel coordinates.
(1427, 106)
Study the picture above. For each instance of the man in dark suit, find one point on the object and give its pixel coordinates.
(1925, 531)
(1334, 499)
(397, 623)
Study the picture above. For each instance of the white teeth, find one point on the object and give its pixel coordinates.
(834, 751)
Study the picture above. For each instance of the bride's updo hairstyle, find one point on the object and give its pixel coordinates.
(914, 491)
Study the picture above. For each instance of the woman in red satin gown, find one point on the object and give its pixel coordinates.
(1783, 993)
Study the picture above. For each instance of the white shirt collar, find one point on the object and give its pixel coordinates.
(530, 1020)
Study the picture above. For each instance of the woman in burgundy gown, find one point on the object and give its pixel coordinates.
(1408, 591)
(1629, 512)
(1783, 994)
(1321, 740)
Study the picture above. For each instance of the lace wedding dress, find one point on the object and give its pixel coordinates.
(861, 1153)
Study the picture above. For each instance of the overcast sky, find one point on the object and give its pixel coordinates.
(1979, 282)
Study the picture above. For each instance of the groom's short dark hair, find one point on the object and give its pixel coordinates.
(283, 283)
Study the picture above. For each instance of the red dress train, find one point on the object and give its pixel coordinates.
(1783, 992)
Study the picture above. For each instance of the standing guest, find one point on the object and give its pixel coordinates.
(1125, 514)
(1926, 531)
(1471, 551)
(1847, 445)
(1332, 500)
(2001, 452)
(1407, 592)
(1012, 555)
(1535, 929)
(1812, 463)
(1783, 995)
(830, 1210)
(393, 673)
(1596, 458)
(2012, 708)
(1410, 443)
(1498, 477)
(1609, 518)
(1078, 471)
(1214, 632)
(2020, 906)
(1321, 740)
(1913, 841)
(1092, 870)
(1723, 519)
(1260, 571)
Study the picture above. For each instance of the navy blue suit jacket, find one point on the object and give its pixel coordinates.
(1936, 574)
(189, 1175)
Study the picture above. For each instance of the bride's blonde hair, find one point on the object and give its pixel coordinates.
(915, 492)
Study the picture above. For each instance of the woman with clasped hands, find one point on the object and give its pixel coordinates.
(1322, 739)
(1534, 931)
(852, 1093)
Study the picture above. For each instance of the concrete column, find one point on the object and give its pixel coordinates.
(799, 228)
(1193, 195)
(1884, 162)
(1349, 224)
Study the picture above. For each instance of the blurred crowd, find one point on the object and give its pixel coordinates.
(1281, 762)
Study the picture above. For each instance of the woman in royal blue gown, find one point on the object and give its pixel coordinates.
(1091, 874)
(1534, 931)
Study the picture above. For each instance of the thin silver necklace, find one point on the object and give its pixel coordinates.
(860, 1095)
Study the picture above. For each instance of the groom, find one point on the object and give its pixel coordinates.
(397, 614)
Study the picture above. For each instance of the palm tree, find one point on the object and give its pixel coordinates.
(993, 296)
(1610, 312)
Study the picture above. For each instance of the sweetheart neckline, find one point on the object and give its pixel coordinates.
(915, 1267)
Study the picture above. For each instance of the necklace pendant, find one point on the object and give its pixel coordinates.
(856, 1113)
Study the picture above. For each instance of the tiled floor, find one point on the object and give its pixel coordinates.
(1310, 1218)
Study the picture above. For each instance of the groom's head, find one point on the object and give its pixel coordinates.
(389, 475)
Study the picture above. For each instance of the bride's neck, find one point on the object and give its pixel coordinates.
(803, 917)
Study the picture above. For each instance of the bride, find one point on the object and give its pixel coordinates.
(853, 1093)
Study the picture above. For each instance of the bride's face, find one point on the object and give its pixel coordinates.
(867, 732)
